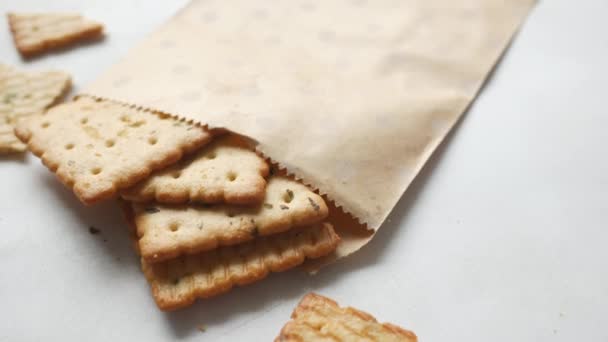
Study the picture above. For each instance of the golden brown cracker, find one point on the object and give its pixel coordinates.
(224, 171)
(318, 318)
(23, 94)
(34, 33)
(177, 283)
(166, 231)
(100, 147)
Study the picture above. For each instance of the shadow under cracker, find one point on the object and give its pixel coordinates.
(65, 48)
(260, 298)
(105, 219)
(19, 157)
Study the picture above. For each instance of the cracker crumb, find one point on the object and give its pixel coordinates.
(201, 328)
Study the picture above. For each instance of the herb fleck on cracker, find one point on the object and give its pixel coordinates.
(314, 204)
(284, 207)
(8, 98)
(267, 205)
(152, 210)
(137, 123)
(289, 196)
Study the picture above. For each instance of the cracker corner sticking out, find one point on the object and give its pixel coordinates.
(99, 147)
(177, 283)
(24, 94)
(320, 318)
(167, 231)
(226, 171)
(35, 33)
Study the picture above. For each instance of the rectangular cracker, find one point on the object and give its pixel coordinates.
(24, 94)
(226, 170)
(99, 147)
(166, 231)
(318, 318)
(177, 283)
(34, 33)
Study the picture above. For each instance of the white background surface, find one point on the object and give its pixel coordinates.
(502, 237)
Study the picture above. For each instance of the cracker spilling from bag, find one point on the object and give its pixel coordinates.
(23, 94)
(318, 318)
(179, 282)
(100, 147)
(225, 171)
(166, 231)
(35, 33)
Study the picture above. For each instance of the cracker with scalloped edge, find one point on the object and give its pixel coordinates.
(23, 94)
(318, 318)
(35, 33)
(166, 231)
(226, 170)
(99, 147)
(177, 283)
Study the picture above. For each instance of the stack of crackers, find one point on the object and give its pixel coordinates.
(205, 212)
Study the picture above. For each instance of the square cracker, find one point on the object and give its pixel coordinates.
(226, 170)
(34, 33)
(99, 147)
(177, 283)
(318, 318)
(23, 94)
(166, 231)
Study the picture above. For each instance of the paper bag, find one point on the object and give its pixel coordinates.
(349, 96)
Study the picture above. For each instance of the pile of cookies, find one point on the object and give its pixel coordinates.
(204, 209)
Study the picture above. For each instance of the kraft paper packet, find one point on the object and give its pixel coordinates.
(352, 97)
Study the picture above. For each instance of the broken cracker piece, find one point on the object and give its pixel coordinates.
(224, 171)
(98, 147)
(24, 94)
(166, 231)
(177, 283)
(318, 318)
(34, 33)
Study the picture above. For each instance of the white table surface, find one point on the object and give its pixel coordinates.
(502, 237)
